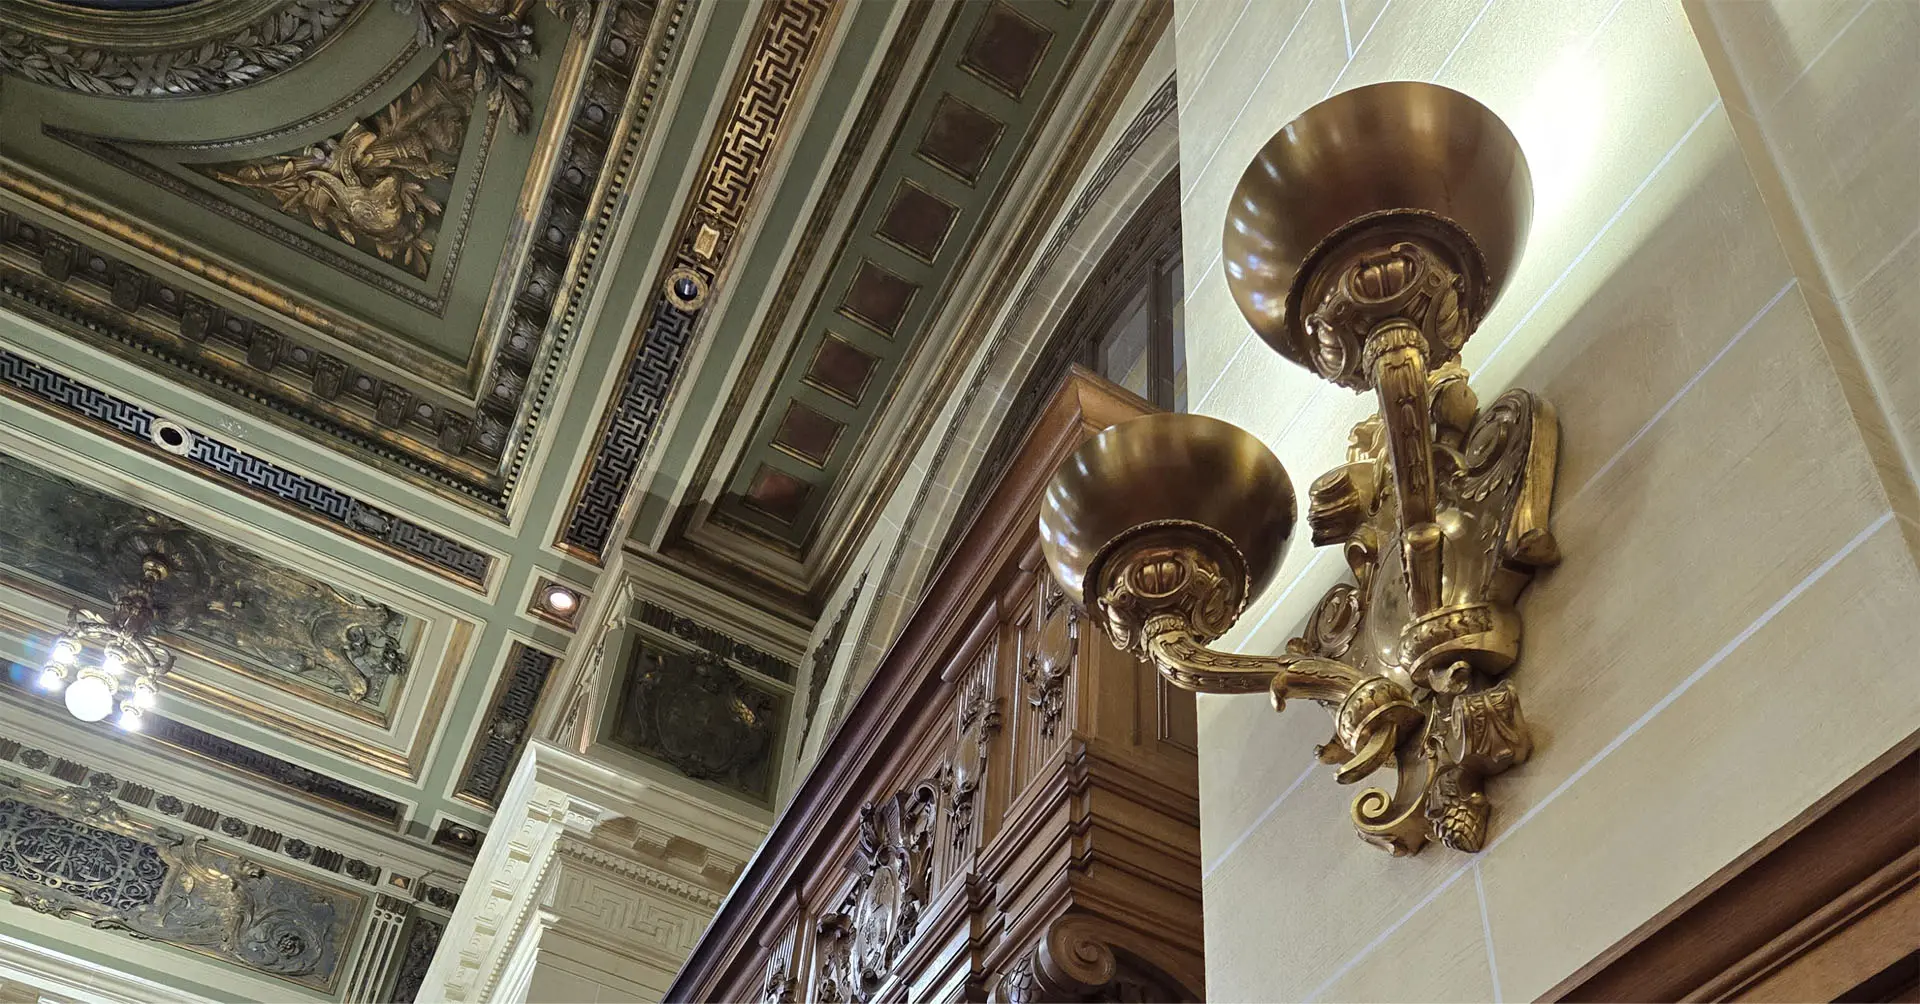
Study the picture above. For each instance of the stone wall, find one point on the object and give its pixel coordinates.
(1708, 298)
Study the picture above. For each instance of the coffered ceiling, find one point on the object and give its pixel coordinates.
(377, 320)
(774, 488)
(362, 240)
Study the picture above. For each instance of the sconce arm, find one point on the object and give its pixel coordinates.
(1188, 663)
(1370, 713)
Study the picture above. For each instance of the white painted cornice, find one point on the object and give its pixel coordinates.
(553, 807)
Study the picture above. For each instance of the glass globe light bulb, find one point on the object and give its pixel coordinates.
(90, 698)
(144, 697)
(51, 678)
(64, 651)
(113, 663)
(129, 720)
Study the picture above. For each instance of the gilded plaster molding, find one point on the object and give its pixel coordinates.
(783, 57)
(168, 54)
(463, 430)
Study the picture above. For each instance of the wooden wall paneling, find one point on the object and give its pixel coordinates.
(916, 871)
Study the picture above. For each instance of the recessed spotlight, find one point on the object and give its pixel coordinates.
(171, 436)
(561, 600)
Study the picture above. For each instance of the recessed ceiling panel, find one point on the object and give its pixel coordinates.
(1006, 49)
(777, 493)
(878, 298)
(959, 138)
(840, 369)
(807, 434)
(368, 229)
(918, 221)
(988, 90)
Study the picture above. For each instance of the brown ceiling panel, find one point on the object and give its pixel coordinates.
(878, 298)
(917, 221)
(777, 493)
(840, 369)
(959, 138)
(1006, 49)
(807, 434)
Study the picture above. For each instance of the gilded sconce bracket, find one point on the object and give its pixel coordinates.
(1367, 241)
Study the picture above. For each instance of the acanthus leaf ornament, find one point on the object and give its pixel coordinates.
(117, 60)
(1166, 526)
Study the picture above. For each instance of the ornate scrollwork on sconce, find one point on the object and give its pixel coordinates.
(1367, 243)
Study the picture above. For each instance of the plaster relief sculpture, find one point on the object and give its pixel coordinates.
(76, 854)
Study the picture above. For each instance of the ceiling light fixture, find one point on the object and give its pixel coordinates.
(561, 600)
(109, 663)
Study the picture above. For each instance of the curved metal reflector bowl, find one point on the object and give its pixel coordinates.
(1394, 149)
(1156, 468)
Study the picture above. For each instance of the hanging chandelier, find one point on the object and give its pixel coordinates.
(108, 664)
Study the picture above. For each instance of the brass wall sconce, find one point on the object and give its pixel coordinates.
(1365, 242)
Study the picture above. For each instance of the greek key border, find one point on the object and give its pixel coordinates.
(224, 463)
(785, 46)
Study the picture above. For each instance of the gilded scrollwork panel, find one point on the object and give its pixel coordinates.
(76, 854)
(382, 184)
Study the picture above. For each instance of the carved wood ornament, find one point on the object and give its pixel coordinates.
(893, 872)
(973, 823)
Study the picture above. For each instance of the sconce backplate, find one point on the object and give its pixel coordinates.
(1493, 479)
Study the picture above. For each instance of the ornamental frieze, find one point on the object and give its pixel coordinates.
(235, 604)
(76, 854)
